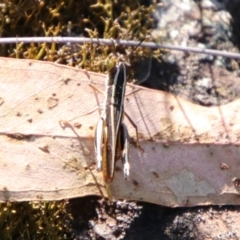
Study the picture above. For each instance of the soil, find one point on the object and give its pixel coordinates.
(202, 79)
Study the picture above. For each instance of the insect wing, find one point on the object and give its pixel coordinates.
(114, 111)
(119, 84)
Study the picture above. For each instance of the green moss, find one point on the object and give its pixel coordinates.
(39, 220)
(122, 19)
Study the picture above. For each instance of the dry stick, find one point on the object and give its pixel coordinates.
(121, 42)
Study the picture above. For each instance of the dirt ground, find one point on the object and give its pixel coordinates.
(202, 79)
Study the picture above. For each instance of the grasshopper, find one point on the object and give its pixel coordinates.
(111, 133)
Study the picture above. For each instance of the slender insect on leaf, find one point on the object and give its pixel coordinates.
(112, 115)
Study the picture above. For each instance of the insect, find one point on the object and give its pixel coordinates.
(111, 133)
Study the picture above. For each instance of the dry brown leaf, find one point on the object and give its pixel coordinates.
(47, 117)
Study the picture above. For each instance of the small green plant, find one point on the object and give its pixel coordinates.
(34, 220)
(122, 19)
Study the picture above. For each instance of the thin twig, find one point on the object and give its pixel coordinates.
(121, 42)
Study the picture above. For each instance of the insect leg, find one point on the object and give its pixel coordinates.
(101, 142)
(135, 126)
(96, 88)
(124, 144)
(98, 143)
